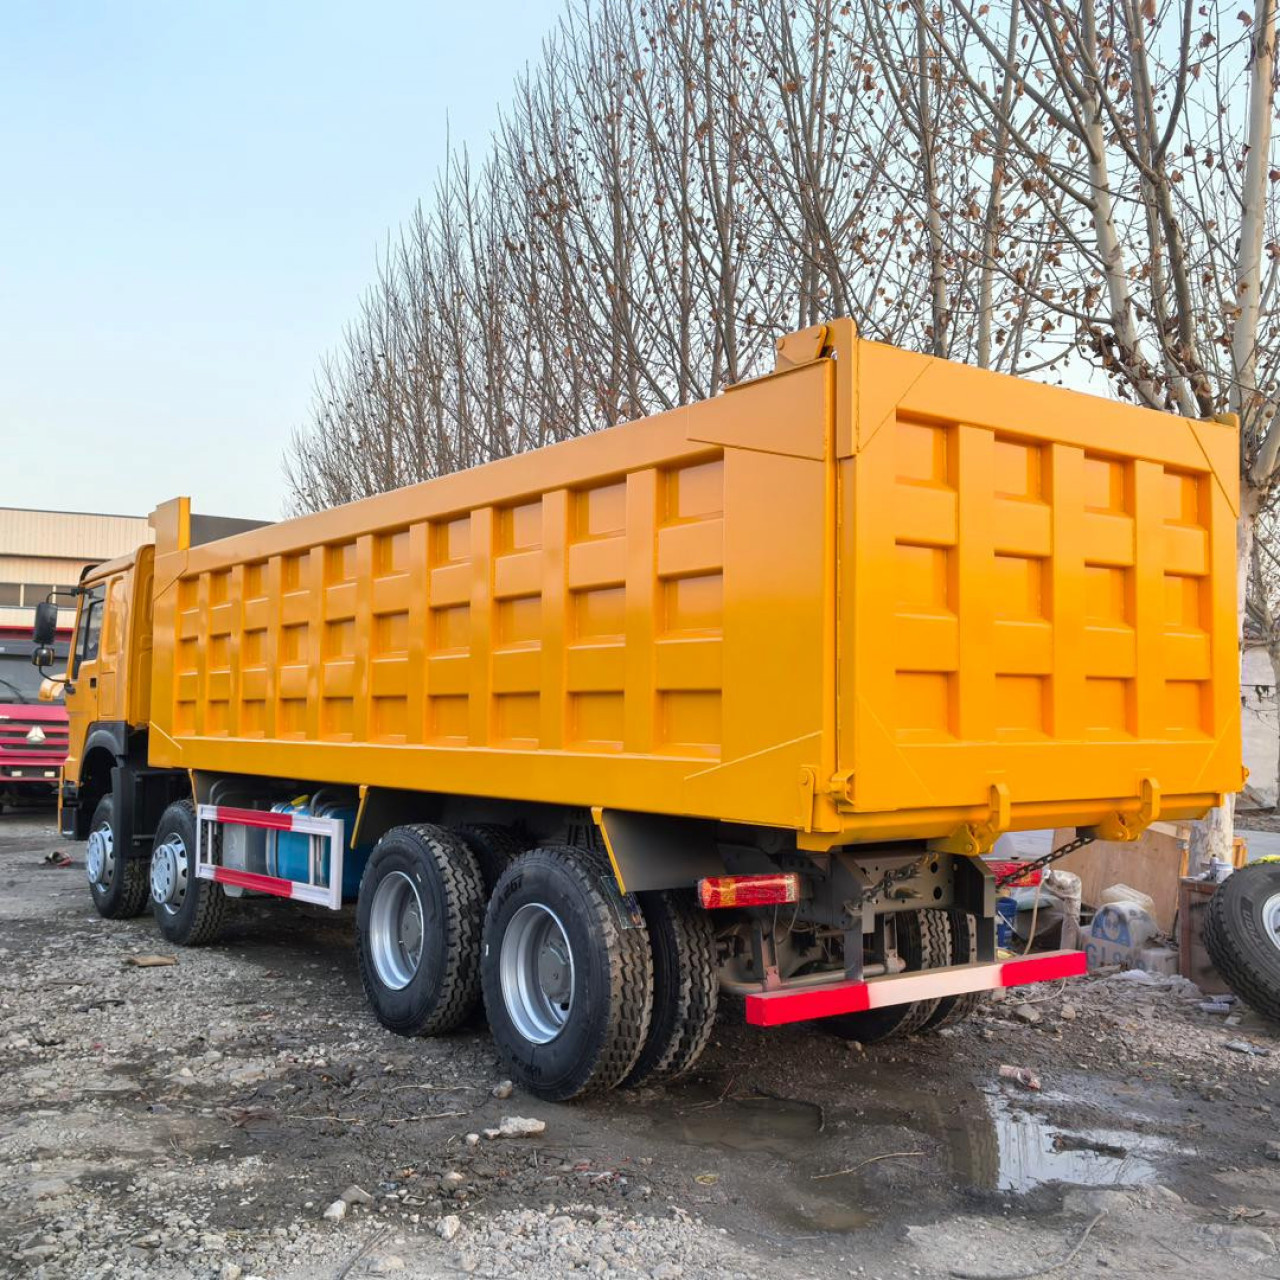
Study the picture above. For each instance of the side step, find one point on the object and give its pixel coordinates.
(775, 1008)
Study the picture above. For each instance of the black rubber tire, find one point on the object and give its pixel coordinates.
(924, 942)
(125, 896)
(1236, 937)
(494, 848)
(199, 920)
(446, 986)
(964, 950)
(686, 985)
(608, 1017)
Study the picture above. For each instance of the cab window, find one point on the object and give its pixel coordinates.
(89, 630)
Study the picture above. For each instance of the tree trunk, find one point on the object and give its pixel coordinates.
(1212, 837)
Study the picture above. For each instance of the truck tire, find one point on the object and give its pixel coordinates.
(117, 882)
(494, 848)
(964, 950)
(190, 912)
(418, 923)
(1242, 935)
(924, 942)
(685, 985)
(567, 977)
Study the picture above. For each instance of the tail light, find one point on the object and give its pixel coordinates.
(748, 891)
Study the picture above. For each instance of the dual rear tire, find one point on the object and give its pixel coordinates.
(926, 939)
(418, 930)
(583, 990)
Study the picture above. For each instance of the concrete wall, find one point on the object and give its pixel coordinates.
(1261, 727)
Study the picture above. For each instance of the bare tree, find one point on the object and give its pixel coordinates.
(1124, 122)
(671, 189)
(1040, 186)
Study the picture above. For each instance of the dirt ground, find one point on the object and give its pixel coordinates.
(198, 1118)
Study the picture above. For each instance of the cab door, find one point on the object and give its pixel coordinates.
(112, 649)
(82, 692)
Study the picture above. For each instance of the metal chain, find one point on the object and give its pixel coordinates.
(888, 880)
(885, 884)
(1039, 864)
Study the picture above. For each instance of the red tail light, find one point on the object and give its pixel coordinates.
(748, 891)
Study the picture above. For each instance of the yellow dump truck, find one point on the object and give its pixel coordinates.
(732, 698)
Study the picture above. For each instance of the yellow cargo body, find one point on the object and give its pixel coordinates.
(873, 595)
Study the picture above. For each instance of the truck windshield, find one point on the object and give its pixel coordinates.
(19, 680)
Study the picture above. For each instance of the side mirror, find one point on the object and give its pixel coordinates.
(42, 657)
(46, 626)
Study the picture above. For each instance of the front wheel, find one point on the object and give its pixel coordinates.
(418, 930)
(117, 882)
(567, 974)
(190, 912)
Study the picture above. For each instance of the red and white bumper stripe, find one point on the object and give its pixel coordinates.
(329, 895)
(799, 1004)
(258, 883)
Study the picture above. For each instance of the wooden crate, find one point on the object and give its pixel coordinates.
(1154, 864)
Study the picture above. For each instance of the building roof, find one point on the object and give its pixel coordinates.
(57, 511)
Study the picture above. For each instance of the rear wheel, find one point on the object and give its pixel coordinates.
(494, 848)
(117, 882)
(418, 930)
(964, 950)
(924, 942)
(685, 985)
(567, 976)
(190, 912)
(1242, 935)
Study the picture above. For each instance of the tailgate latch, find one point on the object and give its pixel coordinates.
(976, 838)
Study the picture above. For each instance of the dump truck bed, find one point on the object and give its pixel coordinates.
(872, 595)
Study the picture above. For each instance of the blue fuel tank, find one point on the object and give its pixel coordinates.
(287, 851)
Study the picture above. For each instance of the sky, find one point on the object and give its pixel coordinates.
(192, 201)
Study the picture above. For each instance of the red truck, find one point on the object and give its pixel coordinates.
(33, 734)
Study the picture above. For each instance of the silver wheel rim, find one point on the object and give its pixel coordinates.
(169, 874)
(396, 931)
(100, 856)
(1271, 919)
(536, 968)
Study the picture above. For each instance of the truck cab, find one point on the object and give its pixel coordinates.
(107, 686)
(33, 732)
(109, 794)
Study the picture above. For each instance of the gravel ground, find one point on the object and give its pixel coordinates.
(200, 1118)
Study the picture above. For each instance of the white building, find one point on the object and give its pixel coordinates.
(40, 550)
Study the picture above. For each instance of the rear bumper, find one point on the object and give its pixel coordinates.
(776, 1008)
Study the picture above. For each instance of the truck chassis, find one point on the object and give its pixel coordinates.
(589, 979)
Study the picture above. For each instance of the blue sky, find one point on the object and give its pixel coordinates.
(194, 198)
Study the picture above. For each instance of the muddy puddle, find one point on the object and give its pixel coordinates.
(1033, 1150)
(836, 1166)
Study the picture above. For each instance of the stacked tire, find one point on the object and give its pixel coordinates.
(1242, 935)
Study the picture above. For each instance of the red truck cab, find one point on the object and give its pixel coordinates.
(33, 734)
